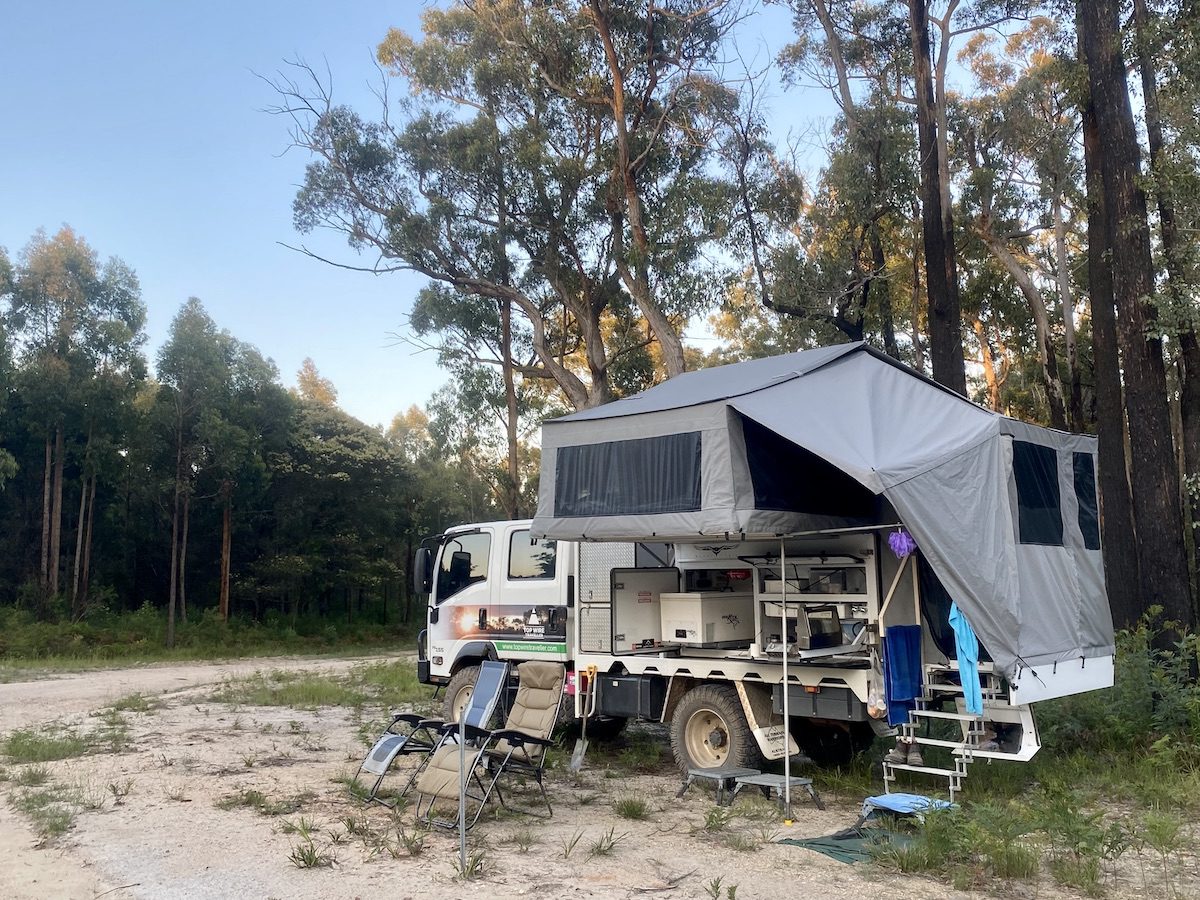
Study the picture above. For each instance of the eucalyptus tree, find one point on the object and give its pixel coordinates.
(193, 374)
(1017, 136)
(74, 320)
(8, 463)
(1154, 478)
(554, 159)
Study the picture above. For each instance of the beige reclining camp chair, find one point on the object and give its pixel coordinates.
(517, 749)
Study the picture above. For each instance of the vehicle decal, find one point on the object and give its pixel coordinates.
(529, 647)
(510, 621)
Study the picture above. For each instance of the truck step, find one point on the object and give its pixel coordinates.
(938, 714)
(937, 742)
(926, 770)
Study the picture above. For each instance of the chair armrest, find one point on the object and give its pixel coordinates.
(473, 733)
(410, 719)
(520, 737)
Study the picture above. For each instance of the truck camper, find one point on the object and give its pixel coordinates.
(780, 541)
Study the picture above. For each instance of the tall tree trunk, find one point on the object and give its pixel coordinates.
(1041, 322)
(1154, 477)
(1066, 298)
(989, 364)
(941, 271)
(634, 267)
(883, 290)
(915, 306)
(1116, 520)
(226, 545)
(512, 490)
(85, 575)
(80, 527)
(183, 548)
(1189, 346)
(44, 572)
(173, 594)
(56, 511)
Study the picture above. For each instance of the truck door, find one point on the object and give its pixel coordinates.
(463, 587)
(530, 618)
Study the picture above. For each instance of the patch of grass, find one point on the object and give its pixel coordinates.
(476, 866)
(31, 648)
(354, 788)
(120, 790)
(307, 855)
(606, 843)
(302, 826)
(302, 690)
(632, 808)
(412, 841)
(393, 683)
(522, 839)
(32, 776)
(717, 819)
(643, 753)
(741, 842)
(26, 745)
(135, 703)
(48, 809)
(262, 804)
(569, 844)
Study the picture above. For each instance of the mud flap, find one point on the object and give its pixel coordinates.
(766, 725)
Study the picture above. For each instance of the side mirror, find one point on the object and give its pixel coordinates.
(422, 573)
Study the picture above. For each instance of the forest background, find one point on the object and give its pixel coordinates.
(582, 182)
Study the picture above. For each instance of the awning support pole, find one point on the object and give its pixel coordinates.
(787, 720)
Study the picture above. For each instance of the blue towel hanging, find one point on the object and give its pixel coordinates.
(901, 670)
(967, 647)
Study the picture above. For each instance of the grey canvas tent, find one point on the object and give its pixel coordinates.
(1005, 513)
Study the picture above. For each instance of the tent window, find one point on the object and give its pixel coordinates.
(1085, 493)
(1039, 503)
(790, 478)
(639, 477)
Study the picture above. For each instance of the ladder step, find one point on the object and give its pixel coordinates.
(928, 770)
(958, 689)
(935, 742)
(938, 714)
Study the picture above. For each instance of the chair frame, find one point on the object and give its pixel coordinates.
(494, 766)
(425, 735)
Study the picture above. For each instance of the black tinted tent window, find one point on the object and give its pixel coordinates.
(789, 478)
(1039, 503)
(638, 477)
(1085, 492)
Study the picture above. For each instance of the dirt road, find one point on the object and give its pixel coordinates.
(204, 799)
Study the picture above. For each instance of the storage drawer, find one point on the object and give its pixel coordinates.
(631, 696)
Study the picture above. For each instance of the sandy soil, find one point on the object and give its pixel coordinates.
(167, 838)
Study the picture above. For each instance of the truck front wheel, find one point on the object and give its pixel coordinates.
(709, 730)
(458, 692)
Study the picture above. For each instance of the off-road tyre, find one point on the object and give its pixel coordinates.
(709, 730)
(458, 692)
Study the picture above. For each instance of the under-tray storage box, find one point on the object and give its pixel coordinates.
(708, 618)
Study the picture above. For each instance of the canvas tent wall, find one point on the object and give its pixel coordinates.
(1004, 512)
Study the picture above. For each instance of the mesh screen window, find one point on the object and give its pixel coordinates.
(639, 477)
(1085, 492)
(1039, 502)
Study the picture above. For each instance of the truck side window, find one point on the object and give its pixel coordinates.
(464, 562)
(528, 560)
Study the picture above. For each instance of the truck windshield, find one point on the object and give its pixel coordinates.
(464, 562)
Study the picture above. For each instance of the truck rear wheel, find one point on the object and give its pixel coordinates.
(709, 730)
(458, 692)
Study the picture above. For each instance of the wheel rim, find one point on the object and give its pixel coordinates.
(460, 701)
(706, 737)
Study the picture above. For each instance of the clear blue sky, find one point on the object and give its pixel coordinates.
(141, 125)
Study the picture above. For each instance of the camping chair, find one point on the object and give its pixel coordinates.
(423, 735)
(517, 749)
